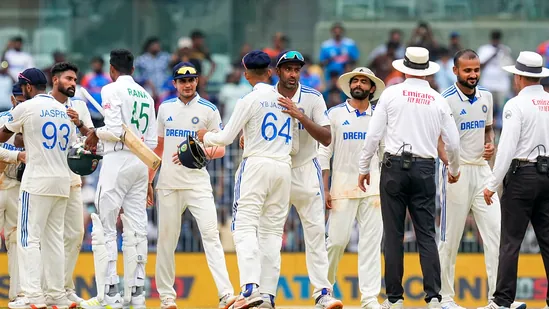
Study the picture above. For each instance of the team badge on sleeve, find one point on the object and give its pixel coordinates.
(195, 120)
(484, 108)
(508, 114)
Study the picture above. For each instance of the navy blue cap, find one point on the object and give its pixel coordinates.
(290, 56)
(184, 70)
(16, 89)
(32, 76)
(256, 60)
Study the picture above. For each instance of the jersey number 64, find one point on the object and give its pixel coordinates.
(269, 131)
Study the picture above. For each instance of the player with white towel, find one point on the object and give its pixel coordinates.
(11, 158)
(472, 107)
(64, 76)
(262, 189)
(45, 187)
(179, 187)
(122, 183)
(346, 201)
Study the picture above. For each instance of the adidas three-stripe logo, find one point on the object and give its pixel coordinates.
(463, 112)
(169, 119)
(346, 123)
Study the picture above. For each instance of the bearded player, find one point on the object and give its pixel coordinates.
(349, 122)
(472, 107)
(180, 188)
(64, 76)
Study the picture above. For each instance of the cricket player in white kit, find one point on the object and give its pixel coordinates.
(346, 202)
(180, 187)
(472, 107)
(44, 192)
(64, 76)
(262, 189)
(307, 106)
(10, 158)
(122, 183)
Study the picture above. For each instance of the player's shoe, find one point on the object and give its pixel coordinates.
(28, 303)
(168, 303)
(434, 304)
(248, 298)
(109, 302)
(268, 302)
(226, 301)
(327, 301)
(62, 303)
(374, 304)
(492, 305)
(518, 305)
(71, 295)
(389, 305)
(137, 302)
(451, 305)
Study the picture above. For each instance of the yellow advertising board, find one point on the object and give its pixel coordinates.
(196, 289)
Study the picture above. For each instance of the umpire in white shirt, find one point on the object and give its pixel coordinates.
(522, 164)
(411, 116)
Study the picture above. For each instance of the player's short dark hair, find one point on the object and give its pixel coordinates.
(41, 87)
(496, 35)
(468, 54)
(61, 67)
(532, 79)
(122, 60)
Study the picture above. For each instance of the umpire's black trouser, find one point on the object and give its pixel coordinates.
(525, 198)
(414, 188)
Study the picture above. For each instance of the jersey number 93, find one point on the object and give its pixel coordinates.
(51, 133)
(269, 131)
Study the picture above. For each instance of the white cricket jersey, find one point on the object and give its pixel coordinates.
(525, 126)
(471, 117)
(311, 103)
(268, 132)
(83, 114)
(9, 153)
(46, 132)
(177, 120)
(126, 102)
(415, 114)
(348, 128)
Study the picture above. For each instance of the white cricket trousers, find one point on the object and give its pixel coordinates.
(123, 184)
(73, 233)
(9, 201)
(367, 212)
(457, 200)
(307, 196)
(171, 205)
(40, 244)
(261, 194)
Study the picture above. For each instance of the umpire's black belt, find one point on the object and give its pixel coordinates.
(388, 156)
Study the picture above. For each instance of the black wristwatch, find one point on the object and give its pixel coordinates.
(80, 125)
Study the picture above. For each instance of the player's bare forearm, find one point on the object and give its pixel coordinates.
(215, 152)
(5, 134)
(322, 134)
(18, 141)
(441, 152)
(489, 135)
(159, 150)
(85, 130)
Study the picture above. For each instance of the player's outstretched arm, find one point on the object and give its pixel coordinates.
(240, 116)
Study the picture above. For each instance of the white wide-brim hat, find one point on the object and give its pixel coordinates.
(344, 81)
(528, 64)
(416, 62)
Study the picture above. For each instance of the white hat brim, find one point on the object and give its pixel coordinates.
(345, 79)
(512, 69)
(432, 69)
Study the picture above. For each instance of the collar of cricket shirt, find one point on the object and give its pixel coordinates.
(351, 109)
